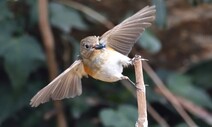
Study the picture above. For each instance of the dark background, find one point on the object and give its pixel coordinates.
(178, 47)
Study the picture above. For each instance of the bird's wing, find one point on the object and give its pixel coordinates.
(66, 85)
(123, 36)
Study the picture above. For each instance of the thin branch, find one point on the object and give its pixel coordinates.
(196, 110)
(50, 55)
(141, 93)
(168, 95)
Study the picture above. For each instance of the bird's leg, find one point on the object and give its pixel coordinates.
(131, 82)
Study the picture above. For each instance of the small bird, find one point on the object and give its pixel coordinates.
(102, 58)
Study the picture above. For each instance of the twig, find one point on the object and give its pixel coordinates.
(141, 93)
(196, 110)
(168, 95)
(50, 55)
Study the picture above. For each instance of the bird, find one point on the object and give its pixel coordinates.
(101, 57)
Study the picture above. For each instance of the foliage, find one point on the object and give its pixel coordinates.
(125, 116)
(161, 13)
(19, 54)
(149, 42)
(23, 69)
(65, 18)
(182, 85)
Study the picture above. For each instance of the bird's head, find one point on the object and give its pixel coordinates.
(90, 44)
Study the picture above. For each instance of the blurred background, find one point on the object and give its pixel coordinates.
(178, 47)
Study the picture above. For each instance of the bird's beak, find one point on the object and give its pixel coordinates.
(99, 46)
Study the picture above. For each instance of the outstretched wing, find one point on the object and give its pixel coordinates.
(66, 85)
(123, 36)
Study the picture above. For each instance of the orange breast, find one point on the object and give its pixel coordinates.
(95, 61)
(89, 66)
(88, 70)
(109, 48)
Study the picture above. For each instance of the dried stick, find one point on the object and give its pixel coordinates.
(50, 55)
(158, 118)
(141, 93)
(168, 95)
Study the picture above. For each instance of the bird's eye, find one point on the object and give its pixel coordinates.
(86, 46)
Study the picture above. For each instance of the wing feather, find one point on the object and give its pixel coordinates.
(66, 85)
(123, 36)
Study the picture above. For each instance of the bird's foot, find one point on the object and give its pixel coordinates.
(137, 57)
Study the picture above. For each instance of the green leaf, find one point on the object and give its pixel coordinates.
(33, 11)
(161, 13)
(130, 112)
(182, 125)
(182, 86)
(5, 12)
(108, 116)
(201, 74)
(11, 103)
(22, 55)
(79, 106)
(66, 18)
(149, 42)
(153, 97)
(125, 116)
(8, 27)
(33, 119)
(6, 103)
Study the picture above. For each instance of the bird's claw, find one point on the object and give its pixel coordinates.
(138, 57)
